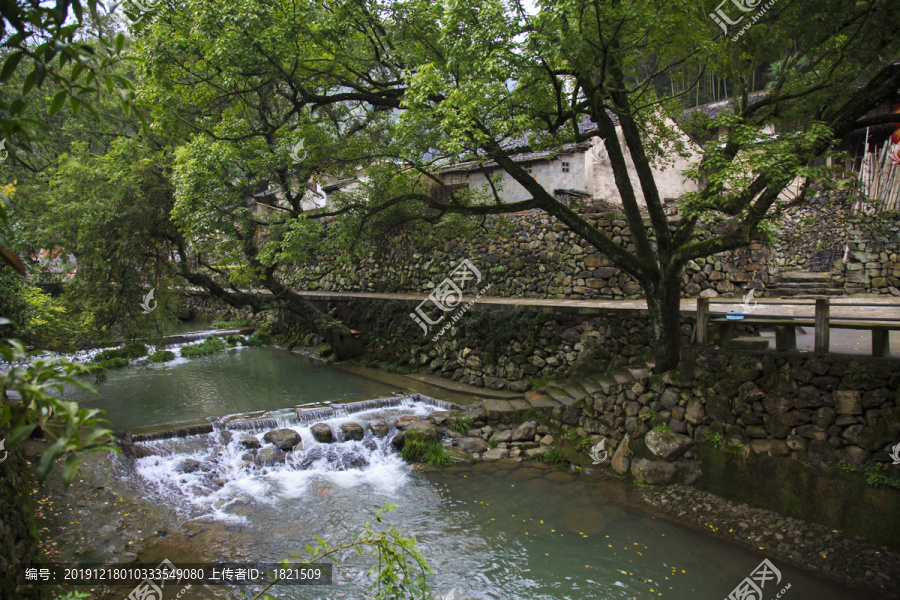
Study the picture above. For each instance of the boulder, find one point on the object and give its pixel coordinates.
(269, 456)
(378, 428)
(847, 402)
(441, 417)
(495, 454)
(353, 431)
(472, 444)
(621, 459)
(398, 440)
(404, 422)
(654, 472)
(189, 465)
(322, 432)
(503, 436)
(524, 432)
(694, 413)
(283, 439)
(657, 472)
(249, 442)
(668, 445)
(423, 432)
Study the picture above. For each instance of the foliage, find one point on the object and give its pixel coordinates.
(663, 427)
(36, 318)
(437, 455)
(461, 425)
(860, 373)
(39, 381)
(396, 368)
(208, 346)
(876, 477)
(412, 449)
(258, 338)
(112, 363)
(114, 358)
(234, 339)
(232, 324)
(577, 441)
(161, 356)
(73, 595)
(399, 571)
(552, 455)
(713, 438)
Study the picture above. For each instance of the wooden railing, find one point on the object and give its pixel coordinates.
(786, 325)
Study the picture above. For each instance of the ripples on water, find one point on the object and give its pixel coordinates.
(490, 530)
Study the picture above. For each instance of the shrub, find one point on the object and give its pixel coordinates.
(204, 348)
(232, 324)
(412, 450)
(437, 456)
(233, 339)
(399, 369)
(875, 476)
(553, 455)
(664, 427)
(461, 425)
(161, 356)
(126, 352)
(112, 363)
(259, 338)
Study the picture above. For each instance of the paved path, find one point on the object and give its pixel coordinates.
(851, 342)
(867, 306)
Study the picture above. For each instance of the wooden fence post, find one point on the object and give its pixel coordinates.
(702, 321)
(823, 335)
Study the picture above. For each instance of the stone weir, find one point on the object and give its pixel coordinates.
(297, 415)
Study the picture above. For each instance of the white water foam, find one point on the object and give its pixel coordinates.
(209, 476)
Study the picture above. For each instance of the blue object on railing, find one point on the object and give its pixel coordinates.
(734, 315)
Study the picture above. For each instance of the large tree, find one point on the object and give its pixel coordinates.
(445, 81)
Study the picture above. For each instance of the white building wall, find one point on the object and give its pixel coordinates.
(669, 179)
(550, 174)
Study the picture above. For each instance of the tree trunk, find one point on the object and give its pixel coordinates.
(664, 305)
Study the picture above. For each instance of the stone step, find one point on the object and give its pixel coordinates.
(805, 276)
(574, 390)
(599, 385)
(639, 373)
(801, 285)
(559, 395)
(806, 293)
(748, 343)
(623, 377)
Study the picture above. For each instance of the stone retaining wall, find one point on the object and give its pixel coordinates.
(822, 409)
(537, 257)
(497, 349)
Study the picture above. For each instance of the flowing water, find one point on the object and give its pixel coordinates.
(502, 530)
(232, 381)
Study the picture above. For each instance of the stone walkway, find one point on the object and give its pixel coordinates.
(853, 306)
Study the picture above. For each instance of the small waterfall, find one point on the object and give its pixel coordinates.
(221, 473)
(195, 336)
(304, 415)
(180, 432)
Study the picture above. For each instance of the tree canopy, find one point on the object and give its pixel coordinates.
(235, 92)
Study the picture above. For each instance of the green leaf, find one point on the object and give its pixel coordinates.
(120, 43)
(58, 100)
(20, 433)
(70, 468)
(9, 66)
